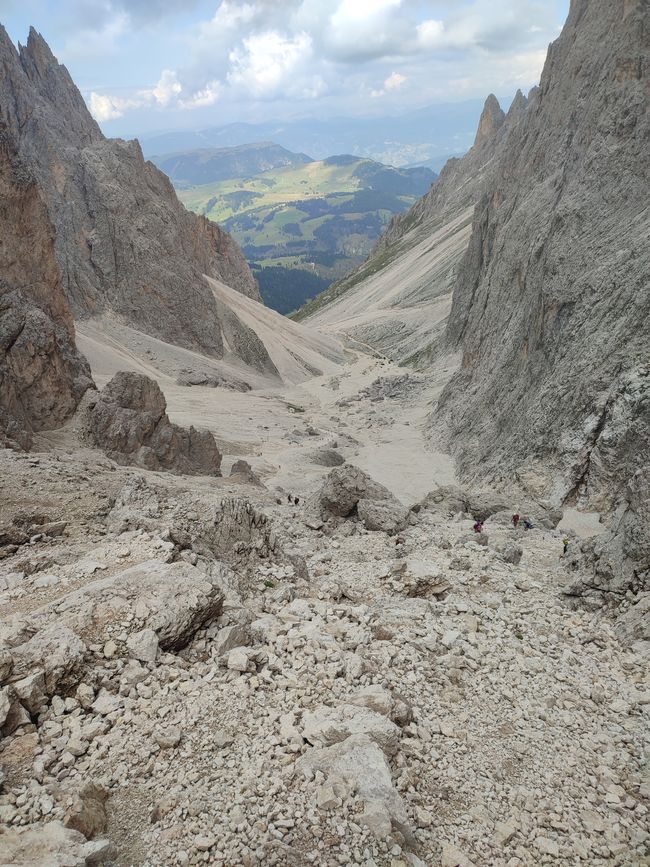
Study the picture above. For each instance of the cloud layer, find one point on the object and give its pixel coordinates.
(348, 54)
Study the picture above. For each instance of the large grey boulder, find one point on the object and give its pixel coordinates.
(128, 420)
(149, 605)
(348, 490)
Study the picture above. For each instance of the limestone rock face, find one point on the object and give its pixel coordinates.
(127, 419)
(123, 241)
(618, 560)
(42, 376)
(551, 307)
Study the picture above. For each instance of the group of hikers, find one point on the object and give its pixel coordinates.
(526, 523)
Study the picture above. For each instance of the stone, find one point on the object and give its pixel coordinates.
(380, 700)
(128, 420)
(361, 763)
(56, 651)
(106, 703)
(53, 845)
(6, 700)
(143, 645)
(326, 726)
(634, 625)
(229, 637)
(238, 660)
(348, 489)
(452, 856)
(31, 691)
(509, 552)
(243, 471)
(87, 814)
(168, 738)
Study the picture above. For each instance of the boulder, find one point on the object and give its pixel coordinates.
(330, 725)
(634, 625)
(127, 419)
(382, 701)
(155, 603)
(143, 645)
(52, 845)
(360, 762)
(348, 490)
(87, 814)
(326, 458)
(243, 471)
(387, 515)
(54, 651)
(509, 552)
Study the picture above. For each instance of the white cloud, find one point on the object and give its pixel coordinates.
(204, 97)
(394, 82)
(250, 51)
(267, 62)
(430, 33)
(104, 107)
(167, 88)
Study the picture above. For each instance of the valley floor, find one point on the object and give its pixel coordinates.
(360, 699)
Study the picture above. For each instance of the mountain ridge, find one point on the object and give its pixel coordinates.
(122, 240)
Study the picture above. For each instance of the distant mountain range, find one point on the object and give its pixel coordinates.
(426, 136)
(302, 223)
(207, 165)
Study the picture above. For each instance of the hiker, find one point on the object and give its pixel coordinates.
(515, 521)
(565, 545)
(290, 499)
(528, 524)
(296, 500)
(478, 526)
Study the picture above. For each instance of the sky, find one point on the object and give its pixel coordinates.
(152, 65)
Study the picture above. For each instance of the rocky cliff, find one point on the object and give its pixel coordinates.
(552, 303)
(123, 241)
(42, 376)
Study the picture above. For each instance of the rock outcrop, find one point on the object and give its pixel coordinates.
(551, 308)
(123, 241)
(348, 491)
(128, 420)
(618, 560)
(42, 376)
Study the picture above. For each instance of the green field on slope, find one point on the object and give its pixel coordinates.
(303, 227)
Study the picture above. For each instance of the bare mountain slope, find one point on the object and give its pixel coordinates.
(398, 301)
(123, 241)
(552, 304)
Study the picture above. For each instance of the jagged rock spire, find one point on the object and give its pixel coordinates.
(491, 120)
